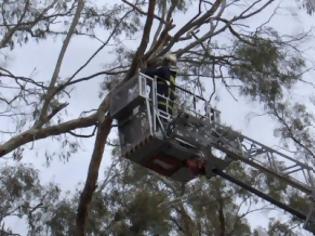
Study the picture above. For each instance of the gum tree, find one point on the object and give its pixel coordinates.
(213, 43)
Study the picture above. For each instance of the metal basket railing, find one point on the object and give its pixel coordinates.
(185, 102)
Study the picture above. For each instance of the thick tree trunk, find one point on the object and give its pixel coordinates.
(102, 133)
(90, 183)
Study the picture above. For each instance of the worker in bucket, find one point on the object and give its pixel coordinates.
(166, 75)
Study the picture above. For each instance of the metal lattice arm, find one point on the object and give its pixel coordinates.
(295, 173)
(237, 146)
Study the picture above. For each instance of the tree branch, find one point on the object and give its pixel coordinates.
(193, 24)
(51, 89)
(137, 59)
(142, 12)
(36, 134)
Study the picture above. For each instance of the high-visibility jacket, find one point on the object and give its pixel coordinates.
(166, 81)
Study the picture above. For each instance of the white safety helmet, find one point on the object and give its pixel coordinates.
(171, 58)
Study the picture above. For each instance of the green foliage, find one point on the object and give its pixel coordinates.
(62, 218)
(148, 206)
(266, 67)
(210, 207)
(141, 215)
(275, 188)
(295, 123)
(24, 20)
(181, 5)
(215, 204)
(22, 196)
(309, 6)
(115, 18)
(299, 201)
(135, 201)
(279, 229)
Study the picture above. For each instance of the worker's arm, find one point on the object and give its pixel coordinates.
(160, 72)
(172, 87)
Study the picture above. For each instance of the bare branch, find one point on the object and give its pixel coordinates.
(192, 24)
(36, 134)
(142, 12)
(52, 90)
(108, 72)
(291, 133)
(84, 135)
(137, 59)
(98, 50)
(24, 26)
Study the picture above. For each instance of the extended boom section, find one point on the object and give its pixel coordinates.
(188, 139)
(269, 161)
(296, 173)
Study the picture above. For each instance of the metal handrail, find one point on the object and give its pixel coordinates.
(195, 98)
(178, 87)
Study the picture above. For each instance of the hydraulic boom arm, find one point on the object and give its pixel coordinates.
(268, 161)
